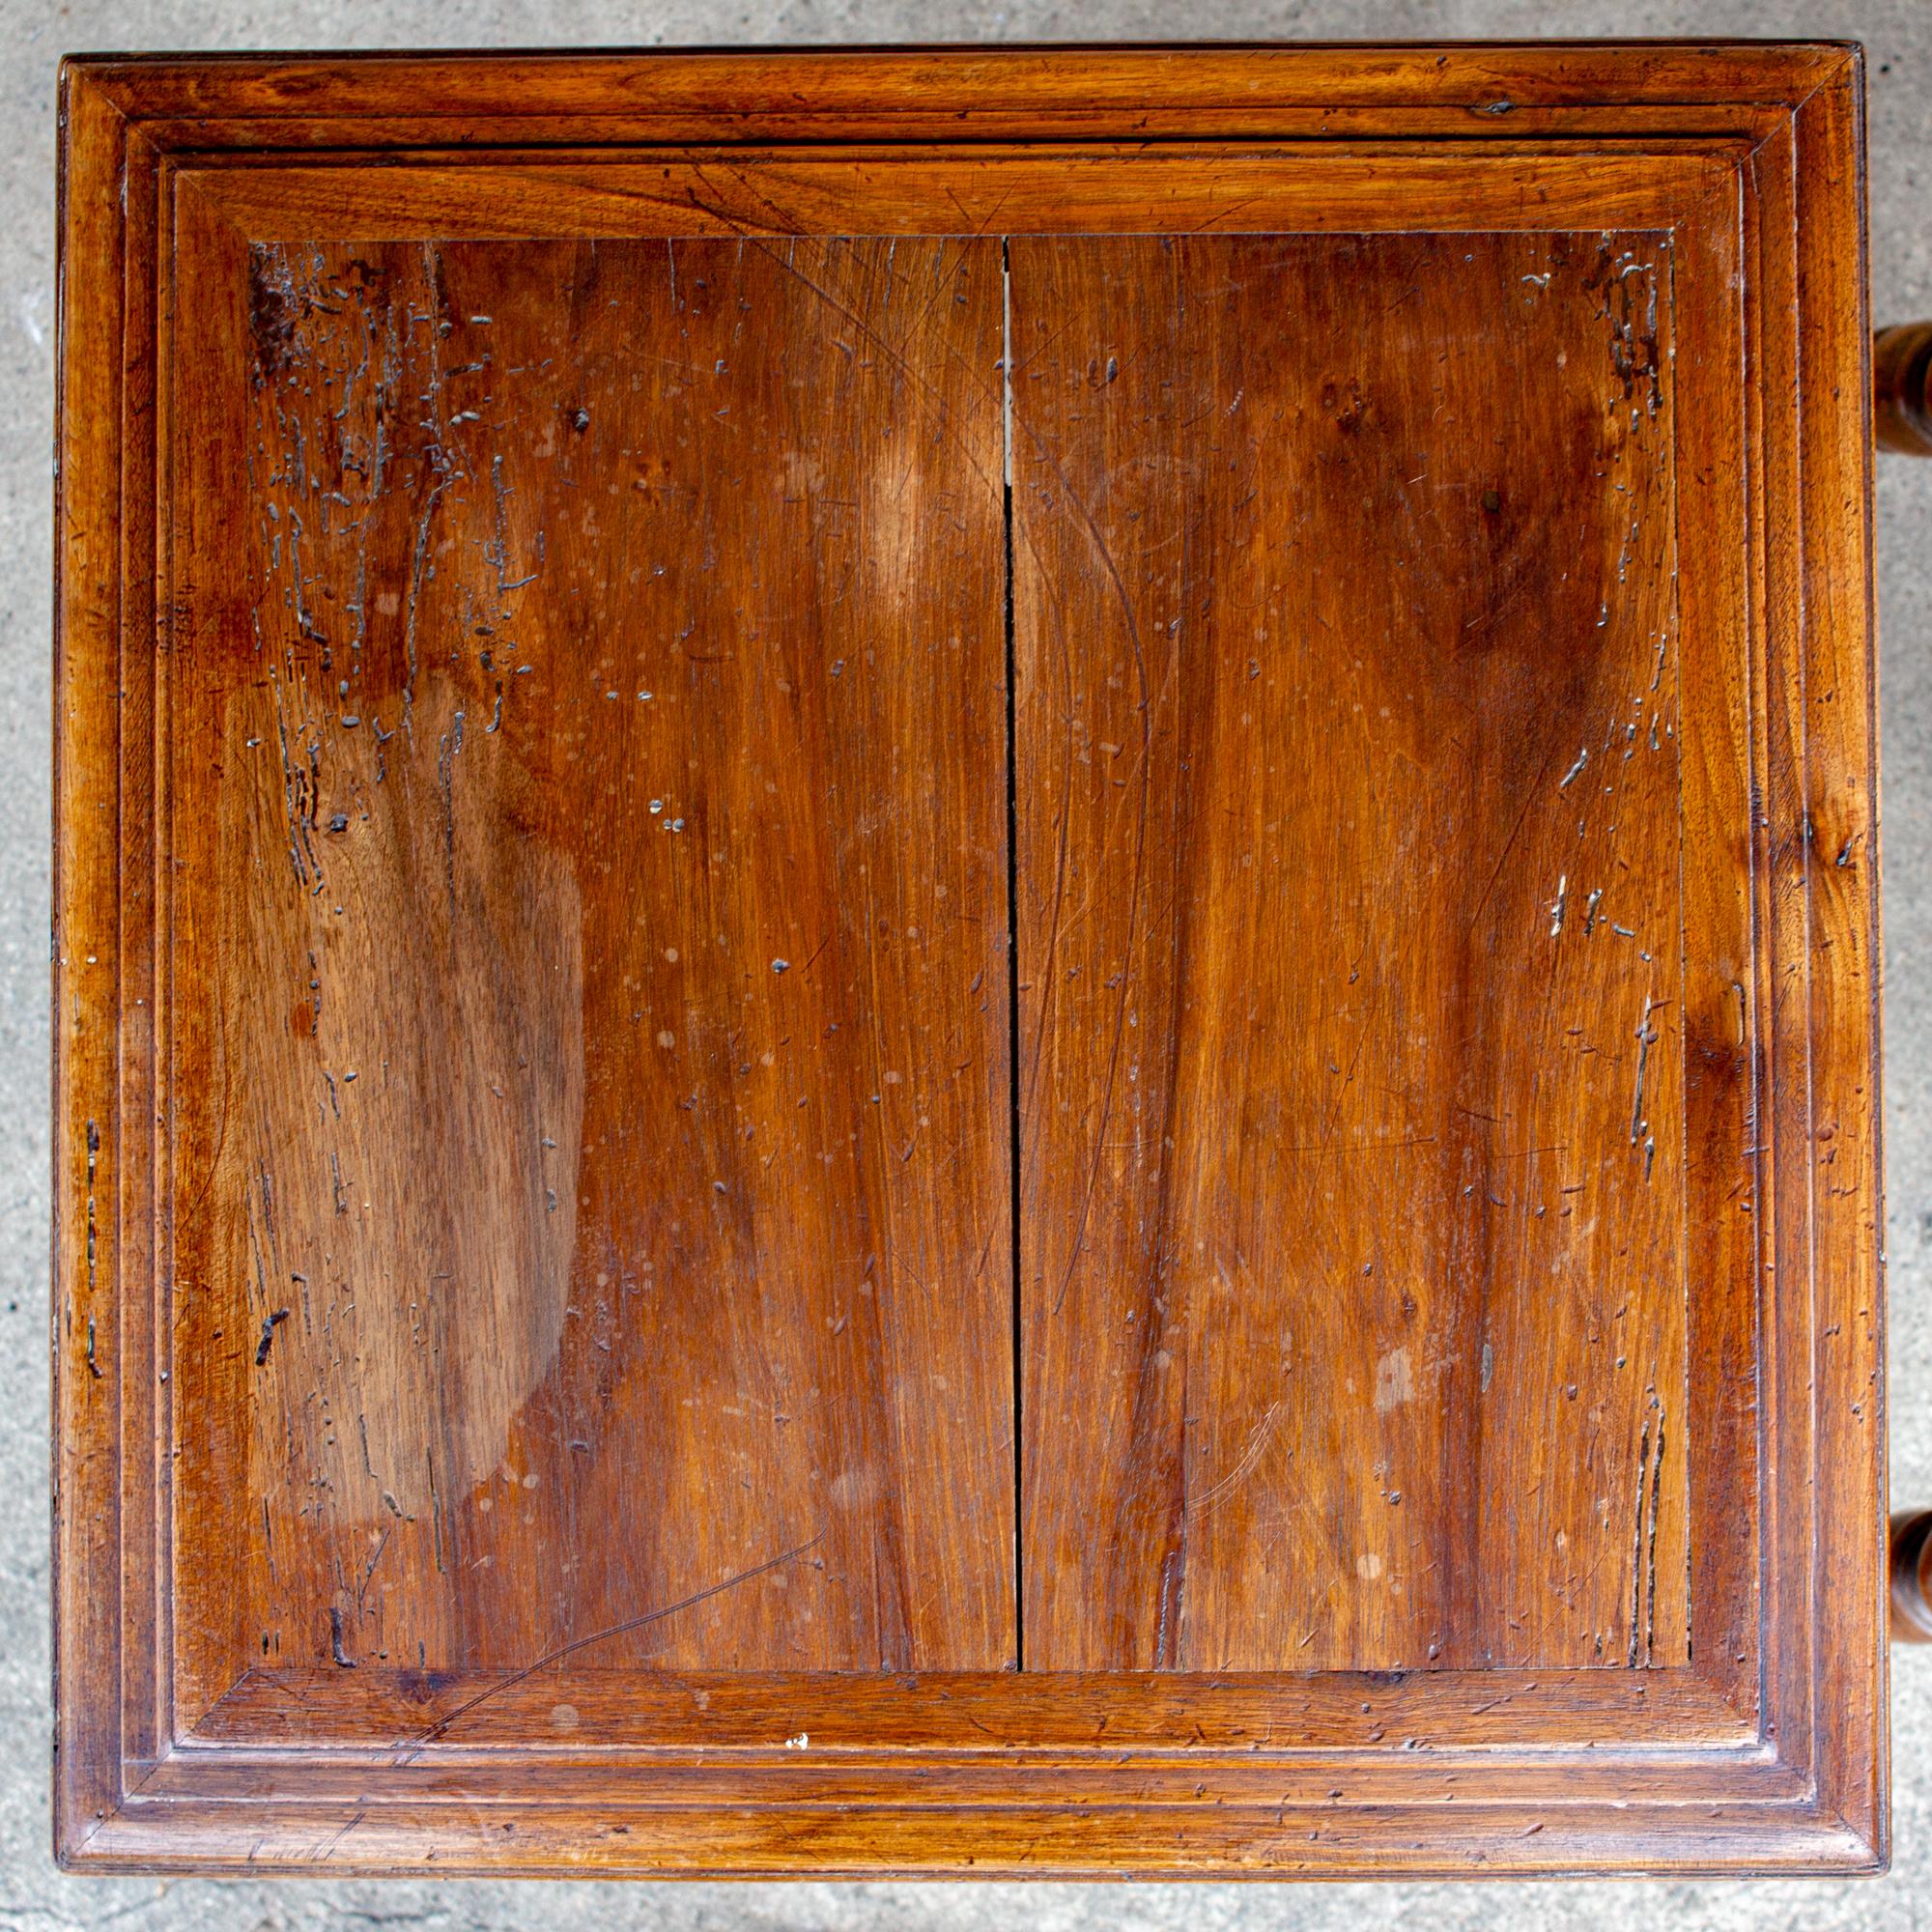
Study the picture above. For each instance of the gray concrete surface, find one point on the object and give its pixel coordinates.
(33, 1894)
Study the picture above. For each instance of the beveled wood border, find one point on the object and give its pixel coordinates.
(1800, 1786)
(210, 214)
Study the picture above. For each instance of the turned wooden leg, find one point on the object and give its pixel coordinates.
(1902, 385)
(1912, 1576)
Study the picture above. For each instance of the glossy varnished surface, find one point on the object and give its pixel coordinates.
(597, 849)
(1351, 1049)
(941, 994)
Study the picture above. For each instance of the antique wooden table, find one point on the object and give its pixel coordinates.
(967, 963)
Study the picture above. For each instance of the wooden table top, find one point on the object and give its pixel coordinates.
(967, 963)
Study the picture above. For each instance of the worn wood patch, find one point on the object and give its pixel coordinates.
(596, 847)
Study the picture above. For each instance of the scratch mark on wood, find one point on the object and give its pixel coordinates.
(92, 1231)
(1646, 1036)
(342, 1658)
(643, 1621)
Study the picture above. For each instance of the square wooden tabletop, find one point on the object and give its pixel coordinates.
(967, 964)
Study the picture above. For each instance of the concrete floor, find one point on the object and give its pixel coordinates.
(33, 1894)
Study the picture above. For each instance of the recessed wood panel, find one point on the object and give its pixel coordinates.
(1350, 1067)
(590, 782)
(542, 1283)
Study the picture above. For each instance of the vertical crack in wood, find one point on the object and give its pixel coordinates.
(1643, 1567)
(1650, 1547)
(92, 1228)
(1012, 939)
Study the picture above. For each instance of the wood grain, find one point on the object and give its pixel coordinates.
(1351, 1064)
(935, 95)
(993, 190)
(870, 411)
(1226, 1718)
(594, 848)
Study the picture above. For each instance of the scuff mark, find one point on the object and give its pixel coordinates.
(1646, 1035)
(269, 1323)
